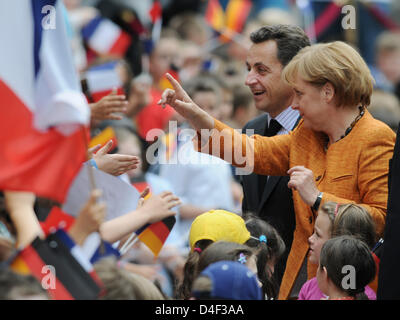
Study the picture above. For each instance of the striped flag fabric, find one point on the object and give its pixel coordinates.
(43, 111)
(105, 37)
(101, 80)
(105, 249)
(103, 137)
(215, 15)
(58, 222)
(63, 269)
(237, 12)
(229, 20)
(56, 219)
(154, 235)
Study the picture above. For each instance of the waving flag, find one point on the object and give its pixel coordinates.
(215, 15)
(42, 107)
(102, 79)
(105, 37)
(154, 235)
(237, 12)
(230, 21)
(103, 137)
(71, 275)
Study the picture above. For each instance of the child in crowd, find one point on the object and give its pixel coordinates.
(123, 285)
(346, 267)
(269, 247)
(226, 280)
(336, 220)
(217, 225)
(207, 228)
(229, 251)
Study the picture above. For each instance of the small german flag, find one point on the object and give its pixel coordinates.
(103, 137)
(236, 14)
(164, 82)
(154, 235)
(215, 15)
(229, 20)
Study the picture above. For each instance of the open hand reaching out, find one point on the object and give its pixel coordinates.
(114, 164)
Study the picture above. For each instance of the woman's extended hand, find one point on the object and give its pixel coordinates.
(302, 180)
(184, 105)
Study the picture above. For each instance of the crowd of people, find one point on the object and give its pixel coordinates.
(272, 153)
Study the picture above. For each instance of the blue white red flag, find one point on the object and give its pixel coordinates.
(42, 108)
(102, 79)
(105, 37)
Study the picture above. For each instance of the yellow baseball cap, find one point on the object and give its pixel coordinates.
(217, 225)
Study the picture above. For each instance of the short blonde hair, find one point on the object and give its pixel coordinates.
(337, 63)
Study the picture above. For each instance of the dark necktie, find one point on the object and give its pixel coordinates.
(272, 130)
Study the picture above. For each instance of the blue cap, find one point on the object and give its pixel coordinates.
(231, 280)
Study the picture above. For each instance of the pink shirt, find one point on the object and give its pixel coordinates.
(311, 291)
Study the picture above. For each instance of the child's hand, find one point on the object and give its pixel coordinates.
(89, 219)
(114, 164)
(159, 206)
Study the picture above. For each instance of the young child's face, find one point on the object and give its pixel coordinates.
(321, 234)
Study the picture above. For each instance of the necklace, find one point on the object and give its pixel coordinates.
(348, 130)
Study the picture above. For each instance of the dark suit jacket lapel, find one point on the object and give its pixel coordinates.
(269, 186)
(250, 182)
(271, 183)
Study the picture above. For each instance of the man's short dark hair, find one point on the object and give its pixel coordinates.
(289, 39)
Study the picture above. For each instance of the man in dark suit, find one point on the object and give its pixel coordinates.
(266, 196)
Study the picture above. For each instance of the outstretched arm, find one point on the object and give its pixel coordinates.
(154, 209)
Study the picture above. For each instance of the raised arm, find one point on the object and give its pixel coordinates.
(154, 209)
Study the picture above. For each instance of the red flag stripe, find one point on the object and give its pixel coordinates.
(35, 264)
(160, 230)
(121, 45)
(326, 18)
(31, 160)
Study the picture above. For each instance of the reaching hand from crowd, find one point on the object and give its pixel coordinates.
(89, 219)
(114, 164)
(154, 209)
(106, 107)
(302, 180)
(158, 207)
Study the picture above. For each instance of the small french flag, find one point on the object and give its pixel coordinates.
(102, 79)
(105, 37)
